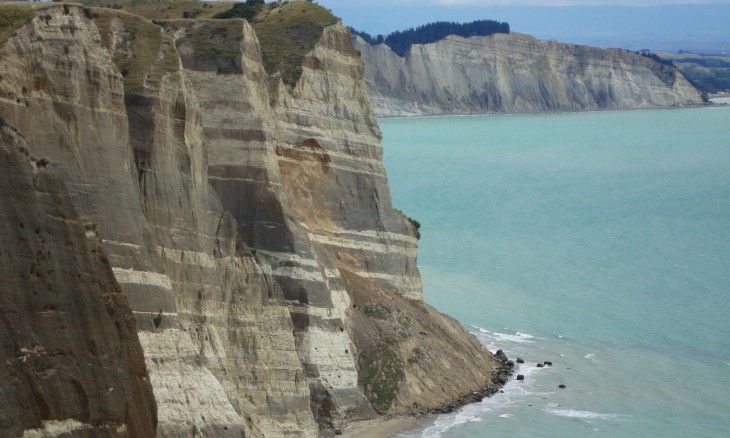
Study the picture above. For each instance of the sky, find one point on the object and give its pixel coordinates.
(697, 25)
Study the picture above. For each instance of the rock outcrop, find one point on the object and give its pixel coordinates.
(516, 73)
(71, 362)
(241, 225)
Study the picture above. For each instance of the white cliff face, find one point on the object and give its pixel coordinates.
(248, 225)
(516, 73)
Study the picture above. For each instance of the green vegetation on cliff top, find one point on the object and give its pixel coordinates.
(164, 9)
(287, 32)
(216, 42)
(146, 55)
(12, 16)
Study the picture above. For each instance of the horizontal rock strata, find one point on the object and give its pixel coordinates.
(242, 226)
(516, 73)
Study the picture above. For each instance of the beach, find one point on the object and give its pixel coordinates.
(382, 428)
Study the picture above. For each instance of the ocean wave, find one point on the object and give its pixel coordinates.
(514, 392)
(586, 415)
(518, 337)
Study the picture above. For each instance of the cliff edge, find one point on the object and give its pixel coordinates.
(516, 73)
(205, 221)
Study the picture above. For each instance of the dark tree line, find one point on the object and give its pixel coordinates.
(651, 55)
(246, 10)
(401, 41)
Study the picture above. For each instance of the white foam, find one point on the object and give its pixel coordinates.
(513, 392)
(589, 356)
(586, 415)
(518, 337)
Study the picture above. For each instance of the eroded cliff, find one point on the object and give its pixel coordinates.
(516, 73)
(243, 214)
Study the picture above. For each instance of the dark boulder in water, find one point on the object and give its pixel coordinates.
(520, 377)
(520, 360)
(547, 362)
(561, 386)
(540, 365)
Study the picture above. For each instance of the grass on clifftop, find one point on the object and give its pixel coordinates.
(145, 39)
(164, 9)
(287, 32)
(12, 17)
(214, 40)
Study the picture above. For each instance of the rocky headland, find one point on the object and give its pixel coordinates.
(516, 73)
(197, 236)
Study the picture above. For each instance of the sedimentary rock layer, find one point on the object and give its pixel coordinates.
(516, 73)
(246, 222)
(70, 358)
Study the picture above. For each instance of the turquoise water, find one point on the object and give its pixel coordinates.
(598, 241)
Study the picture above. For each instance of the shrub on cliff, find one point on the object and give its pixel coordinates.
(287, 32)
(416, 226)
(246, 10)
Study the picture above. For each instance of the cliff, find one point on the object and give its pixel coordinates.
(198, 246)
(515, 73)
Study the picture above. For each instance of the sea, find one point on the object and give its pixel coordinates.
(598, 241)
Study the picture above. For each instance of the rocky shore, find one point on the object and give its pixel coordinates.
(421, 416)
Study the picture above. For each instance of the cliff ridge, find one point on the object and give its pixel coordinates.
(242, 261)
(516, 73)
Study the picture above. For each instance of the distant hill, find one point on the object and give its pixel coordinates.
(709, 73)
(517, 73)
(701, 28)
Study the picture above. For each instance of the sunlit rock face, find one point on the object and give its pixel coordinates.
(516, 73)
(219, 254)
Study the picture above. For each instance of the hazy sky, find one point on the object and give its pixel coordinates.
(698, 25)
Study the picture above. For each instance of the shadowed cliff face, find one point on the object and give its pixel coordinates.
(247, 221)
(70, 355)
(516, 73)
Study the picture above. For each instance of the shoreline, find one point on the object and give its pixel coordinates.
(390, 425)
(566, 111)
(386, 427)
